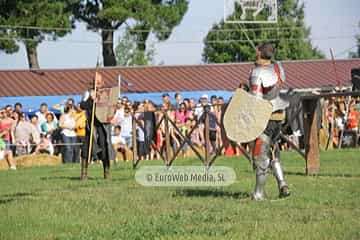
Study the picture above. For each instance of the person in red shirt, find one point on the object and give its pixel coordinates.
(353, 119)
(6, 122)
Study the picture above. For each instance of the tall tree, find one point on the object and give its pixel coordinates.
(31, 22)
(356, 54)
(129, 54)
(158, 16)
(227, 42)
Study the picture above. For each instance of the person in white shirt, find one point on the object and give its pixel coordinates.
(68, 125)
(119, 144)
(119, 113)
(199, 110)
(45, 145)
(42, 114)
(126, 127)
(117, 139)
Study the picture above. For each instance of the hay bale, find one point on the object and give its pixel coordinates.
(3, 164)
(33, 160)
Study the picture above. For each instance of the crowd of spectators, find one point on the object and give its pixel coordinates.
(184, 113)
(42, 131)
(64, 131)
(341, 117)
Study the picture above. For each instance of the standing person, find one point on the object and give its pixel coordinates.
(181, 114)
(212, 128)
(70, 102)
(80, 129)
(6, 122)
(102, 148)
(199, 110)
(140, 126)
(149, 127)
(187, 104)
(18, 107)
(166, 101)
(67, 124)
(192, 104)
(23, 135)
(119, 112)
(213, 100)
(34, 121)
(52, 130)
(42, 114)
(50, 125)
(265, 81)
(177, 100)
(126, 127)
(6, 153)
(352, 119)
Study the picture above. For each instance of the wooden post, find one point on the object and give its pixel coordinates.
(97, 78)
(167, 138)
(312, 154)
(134, 142)
(207, 134)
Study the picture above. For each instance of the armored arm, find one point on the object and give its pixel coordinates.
(280, 71)
(255, 84)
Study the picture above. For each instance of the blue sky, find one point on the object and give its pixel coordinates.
(333, 22)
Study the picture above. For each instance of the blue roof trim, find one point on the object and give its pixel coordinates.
(32, 103)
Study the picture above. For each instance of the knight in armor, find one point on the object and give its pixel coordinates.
(101, 148)
(265, 82)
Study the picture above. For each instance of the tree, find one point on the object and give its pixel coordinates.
(158, 16)
(227, 42)
(128, 53)
(357, 53)
(31, 22)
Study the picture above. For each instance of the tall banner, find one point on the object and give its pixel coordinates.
(106, 99)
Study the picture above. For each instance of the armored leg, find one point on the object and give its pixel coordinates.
(278, 173)
(261, 157)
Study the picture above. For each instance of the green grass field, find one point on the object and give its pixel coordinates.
(51, 203)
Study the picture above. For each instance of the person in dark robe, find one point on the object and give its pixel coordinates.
(149, 126)
(101, 148)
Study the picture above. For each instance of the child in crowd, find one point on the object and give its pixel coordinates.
(6, 153)
(119, 143)
(45, 145)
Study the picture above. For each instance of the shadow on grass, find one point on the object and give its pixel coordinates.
(342, 175)
(67, 178)
(293, 173)
(7, 198)
(210, 193)
(77, 179)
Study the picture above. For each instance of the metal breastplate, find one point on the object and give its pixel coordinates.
(269, 80)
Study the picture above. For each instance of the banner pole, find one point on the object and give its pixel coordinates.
(92, 118)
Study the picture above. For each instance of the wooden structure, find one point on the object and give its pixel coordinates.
(311, 127)
(167, 156)
(312, 150)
